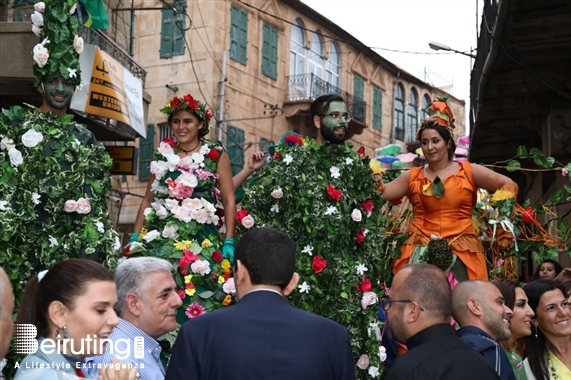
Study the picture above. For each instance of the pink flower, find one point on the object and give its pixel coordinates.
(369, 298)
(70, 206)
(181, 294)
(565, 172)
(248, 221)
(200, 266)
(363, 361)
(83, 206)
(40, 7)
(194, 310)
(181, 192)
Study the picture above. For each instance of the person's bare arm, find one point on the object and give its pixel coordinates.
(492, 181)
(255, 162)
(227, 193)
(398, 188)
(146, 202)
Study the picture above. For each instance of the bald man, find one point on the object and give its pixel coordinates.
(6, 310)
(480, 310)
(418, 312)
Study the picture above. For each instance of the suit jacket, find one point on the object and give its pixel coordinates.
(261, 337)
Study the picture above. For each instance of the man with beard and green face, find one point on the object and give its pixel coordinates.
(56, 92)
(330, 117)
(480, 310)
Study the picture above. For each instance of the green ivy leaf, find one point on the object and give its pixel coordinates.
(522, 151)
(556, 197)
(437, 188)
(513, 165)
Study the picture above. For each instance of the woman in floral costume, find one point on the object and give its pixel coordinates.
(443, 194)
(177, 219)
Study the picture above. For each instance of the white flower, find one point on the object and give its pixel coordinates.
(304, 287)
(192, 203)
(361, 269)
(36, 198)
(288, 159)
(78, 44)
(369, 298)
(72, 72)
(363, 362)
(79, 87)
(15, 157)
(382, 353)
(197, 158)
(170, 203)
(83, 206)
(201, 216)
(349, 161)
(6, 143)
(31, 138)
(53, 241)
(37, 30)
(117, 244)
(331, 210)
(334, 172)
(3, 205)
(229, 286)
(365, 231)
(374, 329)
(45, 41)
(72, 10)
(308, 249)
(151, 235)
(159, 168)
(100, 227)
(41, 55)
(374, 371)
(200, 266)
(165, 149)
(147, 211)
(187, 179)
(275, 208)
(181, 213)
(277, 193)
(248, 221)
(37, 18)
(356, 215)
(40, 7)
(170, 231)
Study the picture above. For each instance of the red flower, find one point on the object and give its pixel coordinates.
(127, 251)
(214, 276)
(190, 285)
(175, 102)
(227, 275)
(529, 215)
(187, 259)
(181, 294)
(170, 141)
(188, 98)
(217, 257)
(367, 205)
(213, 154)
(193, 105)
(240, 215)
(292, 140)
(361, 153)
(318, 264)
(277, 155)
(360, 237)
(184, 272)
(364, 286)
(334, 193)
(208, 114)
(396, 201)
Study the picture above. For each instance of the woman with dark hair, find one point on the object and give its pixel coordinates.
(443, 194)
(547, 270)
(520, 323)
(548, 349)
(71, 305)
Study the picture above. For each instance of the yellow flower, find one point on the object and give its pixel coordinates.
(225, 265)
(221, 279)
(187, 279)
(185, 244)
(142, 234)
(501, 195)
(190, 292)
(206, 243)
(427, 189)
(227, 300)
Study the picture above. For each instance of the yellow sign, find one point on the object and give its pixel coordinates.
(124, 158)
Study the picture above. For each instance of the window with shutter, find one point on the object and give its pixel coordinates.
(146, 153)
(238, 34)
(172, 29)
(358, 99)
(235, 148)
(377, 108)
(270, 52)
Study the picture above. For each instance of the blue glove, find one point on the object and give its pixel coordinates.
(228, 250)
(134, 238)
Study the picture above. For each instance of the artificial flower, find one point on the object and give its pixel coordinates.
(363, 362)
(213, 154)
(37, 18)
(72, 73)
(37, 30)
(185, 244)
(6, 143)
(333, 193)
(318, 264)
(31, 138)
(248, 221)
(361, 269)
(229, 286)
(349, 161)
(227, 300)
(356, 215)
(36, 198)
(78, 44)
(40, 7)
(288, 159)
(170, 231)
(226, 265)
(360, 237)
(331, 210)
(220, 280)
(100, 226)
(53, 241)
(367, 205)
(364, 286)
(201, 267)
(368, 299)
(304, 287)
(335, 173)
(275, 208)
(500, 195)
(308, 249)
(374, 371)
(16, 158)
(382, 353)
(206, 243)
(241, 214)
(3, 205)
(277, 193)
(190, 291)
(70, 205)
(83, 206)
(188, 279)
(41, 55)
(293, 139)
(181, 293)
(529, 215)
(217, 256)
(194, 310)
(150, 236)
(564, 172)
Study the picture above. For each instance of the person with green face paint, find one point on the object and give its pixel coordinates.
(56, 92)
(330, 117)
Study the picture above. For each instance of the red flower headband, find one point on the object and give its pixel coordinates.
(187, 102)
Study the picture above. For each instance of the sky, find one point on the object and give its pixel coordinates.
(409, 25)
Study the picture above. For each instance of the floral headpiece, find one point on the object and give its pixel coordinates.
(439, 113)
(187, 102)
(55, 22)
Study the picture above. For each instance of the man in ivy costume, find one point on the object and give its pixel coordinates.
(54, 175)
(322, 193)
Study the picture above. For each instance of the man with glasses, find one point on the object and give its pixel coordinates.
(330, 117)
(419, 311)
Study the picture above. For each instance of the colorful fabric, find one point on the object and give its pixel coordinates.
(449, 217)
(517, 365)
(93, 14)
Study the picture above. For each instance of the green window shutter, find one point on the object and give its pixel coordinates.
(167, 30)
(358, 99)
(172, 29)
(270, 52)
(146, 153)
(179, 28)
(235, 148)
(238, 35)
(377, 108)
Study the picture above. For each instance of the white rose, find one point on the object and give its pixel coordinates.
(374, 371)
(7, 143)
(181, 213)
(40, 7)
(363, 361)
(170, 203)
(165, 149)
(70, 206)
(192, 203)
(37, 19)
(159, 168)
(117, 245)
(37, 30)
(170, 231)
(187, 179)
(78, 44)
(248, 221)
(160, 210)
(229, 286)
(83, 206)
(277, 193)
(31, 138)
(201, 216)
(41, 55)
(382, 353)
(100, 227)
(151, 235)
(200, 266)
(356, 215)
(15, 157)
(369, 298)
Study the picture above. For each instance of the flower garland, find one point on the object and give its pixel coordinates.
(54, 183)
(187, 102)
(323, 196)
(181, 226)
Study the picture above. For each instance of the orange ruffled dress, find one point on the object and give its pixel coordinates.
(449, 217)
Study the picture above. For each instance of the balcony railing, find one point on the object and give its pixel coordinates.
(309, 87)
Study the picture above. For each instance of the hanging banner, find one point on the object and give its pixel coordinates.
(109, 90)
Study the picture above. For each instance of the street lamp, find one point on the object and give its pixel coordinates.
(438, 46)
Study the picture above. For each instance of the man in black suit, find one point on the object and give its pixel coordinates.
(262, 336)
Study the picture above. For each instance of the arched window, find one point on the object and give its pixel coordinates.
(315, 56)
(425, 104)
(332, 66)
(297, 49)
(398, 115)
(412, 115)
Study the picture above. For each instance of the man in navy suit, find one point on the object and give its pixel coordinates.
(262, 336)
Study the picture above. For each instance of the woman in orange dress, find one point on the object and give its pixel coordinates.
(443, 193)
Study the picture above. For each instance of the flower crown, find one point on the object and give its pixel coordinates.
(187, 102)
(56, 23)
(439, 113)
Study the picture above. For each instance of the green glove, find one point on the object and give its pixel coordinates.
(134, 238)
(228, 250)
